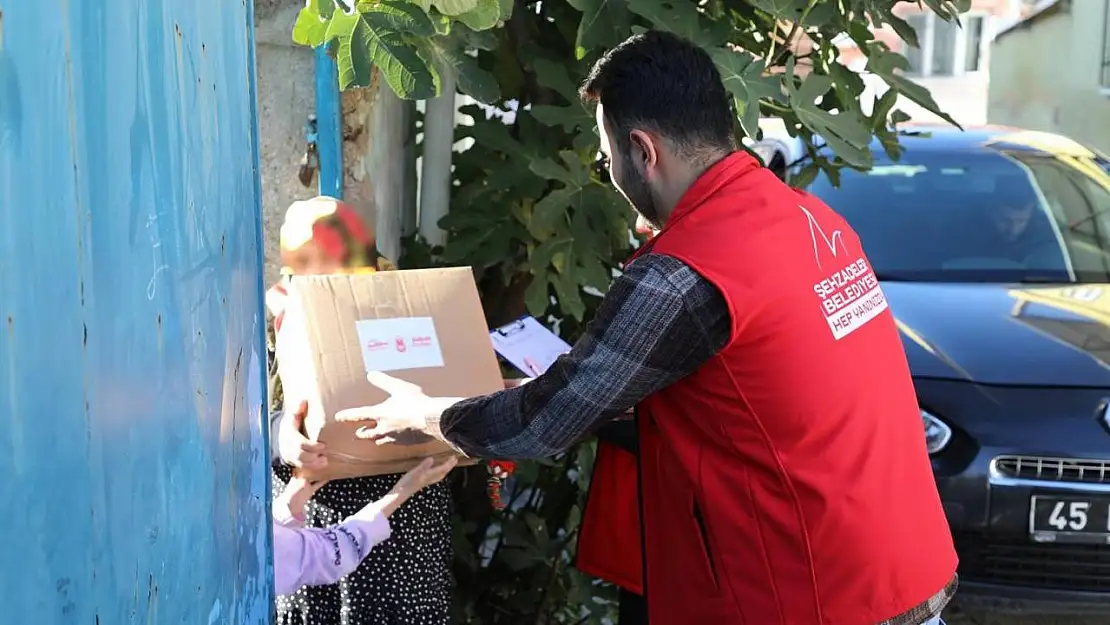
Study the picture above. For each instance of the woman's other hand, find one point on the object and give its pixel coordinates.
(422, 475)
(294, 448)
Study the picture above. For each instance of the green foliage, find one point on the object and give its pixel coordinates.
(542, 226)
(410, 42)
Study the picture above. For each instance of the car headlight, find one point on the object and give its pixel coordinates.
(937, 433)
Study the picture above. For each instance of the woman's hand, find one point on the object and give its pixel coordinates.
(422, 475)
(294, 448)
(297, 493)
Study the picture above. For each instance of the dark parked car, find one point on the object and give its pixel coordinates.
(993, 247)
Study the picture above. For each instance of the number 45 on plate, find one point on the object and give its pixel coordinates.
(1069, 519)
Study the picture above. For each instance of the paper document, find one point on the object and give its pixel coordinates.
(528, 346)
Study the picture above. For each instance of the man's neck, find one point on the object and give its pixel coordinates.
(682, 182)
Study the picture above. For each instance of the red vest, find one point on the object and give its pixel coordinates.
(786, 481)
(610, 545)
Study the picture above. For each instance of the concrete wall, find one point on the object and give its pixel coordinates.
(1045, 75)
(133, 454)
(286, 97)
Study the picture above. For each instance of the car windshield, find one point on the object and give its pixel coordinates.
(980, 216)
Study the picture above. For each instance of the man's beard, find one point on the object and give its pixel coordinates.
(639, 194)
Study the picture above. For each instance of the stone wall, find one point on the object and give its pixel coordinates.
(357, 109)
(286, 97)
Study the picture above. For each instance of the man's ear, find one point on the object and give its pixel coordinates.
(648, 148)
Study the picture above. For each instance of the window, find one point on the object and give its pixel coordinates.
(974, 51)
(1079, 201)
(946, 48)
(1105, 82)
(913, 53)
(979, 216)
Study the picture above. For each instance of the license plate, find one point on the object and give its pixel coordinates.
(1069, 519)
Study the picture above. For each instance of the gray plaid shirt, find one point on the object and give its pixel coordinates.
(659, 323)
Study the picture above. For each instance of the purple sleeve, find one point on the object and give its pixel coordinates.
(316, 557)
(283, 515)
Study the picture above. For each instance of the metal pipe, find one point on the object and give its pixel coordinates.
(409, 188)
(435, 175)
(329, 124)
(387, 168)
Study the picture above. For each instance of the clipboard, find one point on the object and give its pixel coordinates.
(528, 345)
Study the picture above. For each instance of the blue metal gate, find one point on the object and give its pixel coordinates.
(132, 454)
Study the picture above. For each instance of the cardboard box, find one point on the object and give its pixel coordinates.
(425, 326)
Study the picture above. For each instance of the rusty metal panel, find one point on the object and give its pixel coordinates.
(133, 455)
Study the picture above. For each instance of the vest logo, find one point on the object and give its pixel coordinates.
(829, 240)
(850, 295)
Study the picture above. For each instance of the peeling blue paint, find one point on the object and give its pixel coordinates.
(133, 447)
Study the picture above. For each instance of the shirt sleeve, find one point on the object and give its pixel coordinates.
(321, 556)
(283, 515)
(658, 323)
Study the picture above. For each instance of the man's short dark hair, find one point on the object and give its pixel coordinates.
(660, 82)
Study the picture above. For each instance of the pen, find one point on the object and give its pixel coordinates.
(531, 365)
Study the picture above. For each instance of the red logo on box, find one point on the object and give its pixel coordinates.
(400, 342)
(421, 341)
(375, 345)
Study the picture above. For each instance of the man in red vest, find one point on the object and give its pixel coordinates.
(781, 461)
